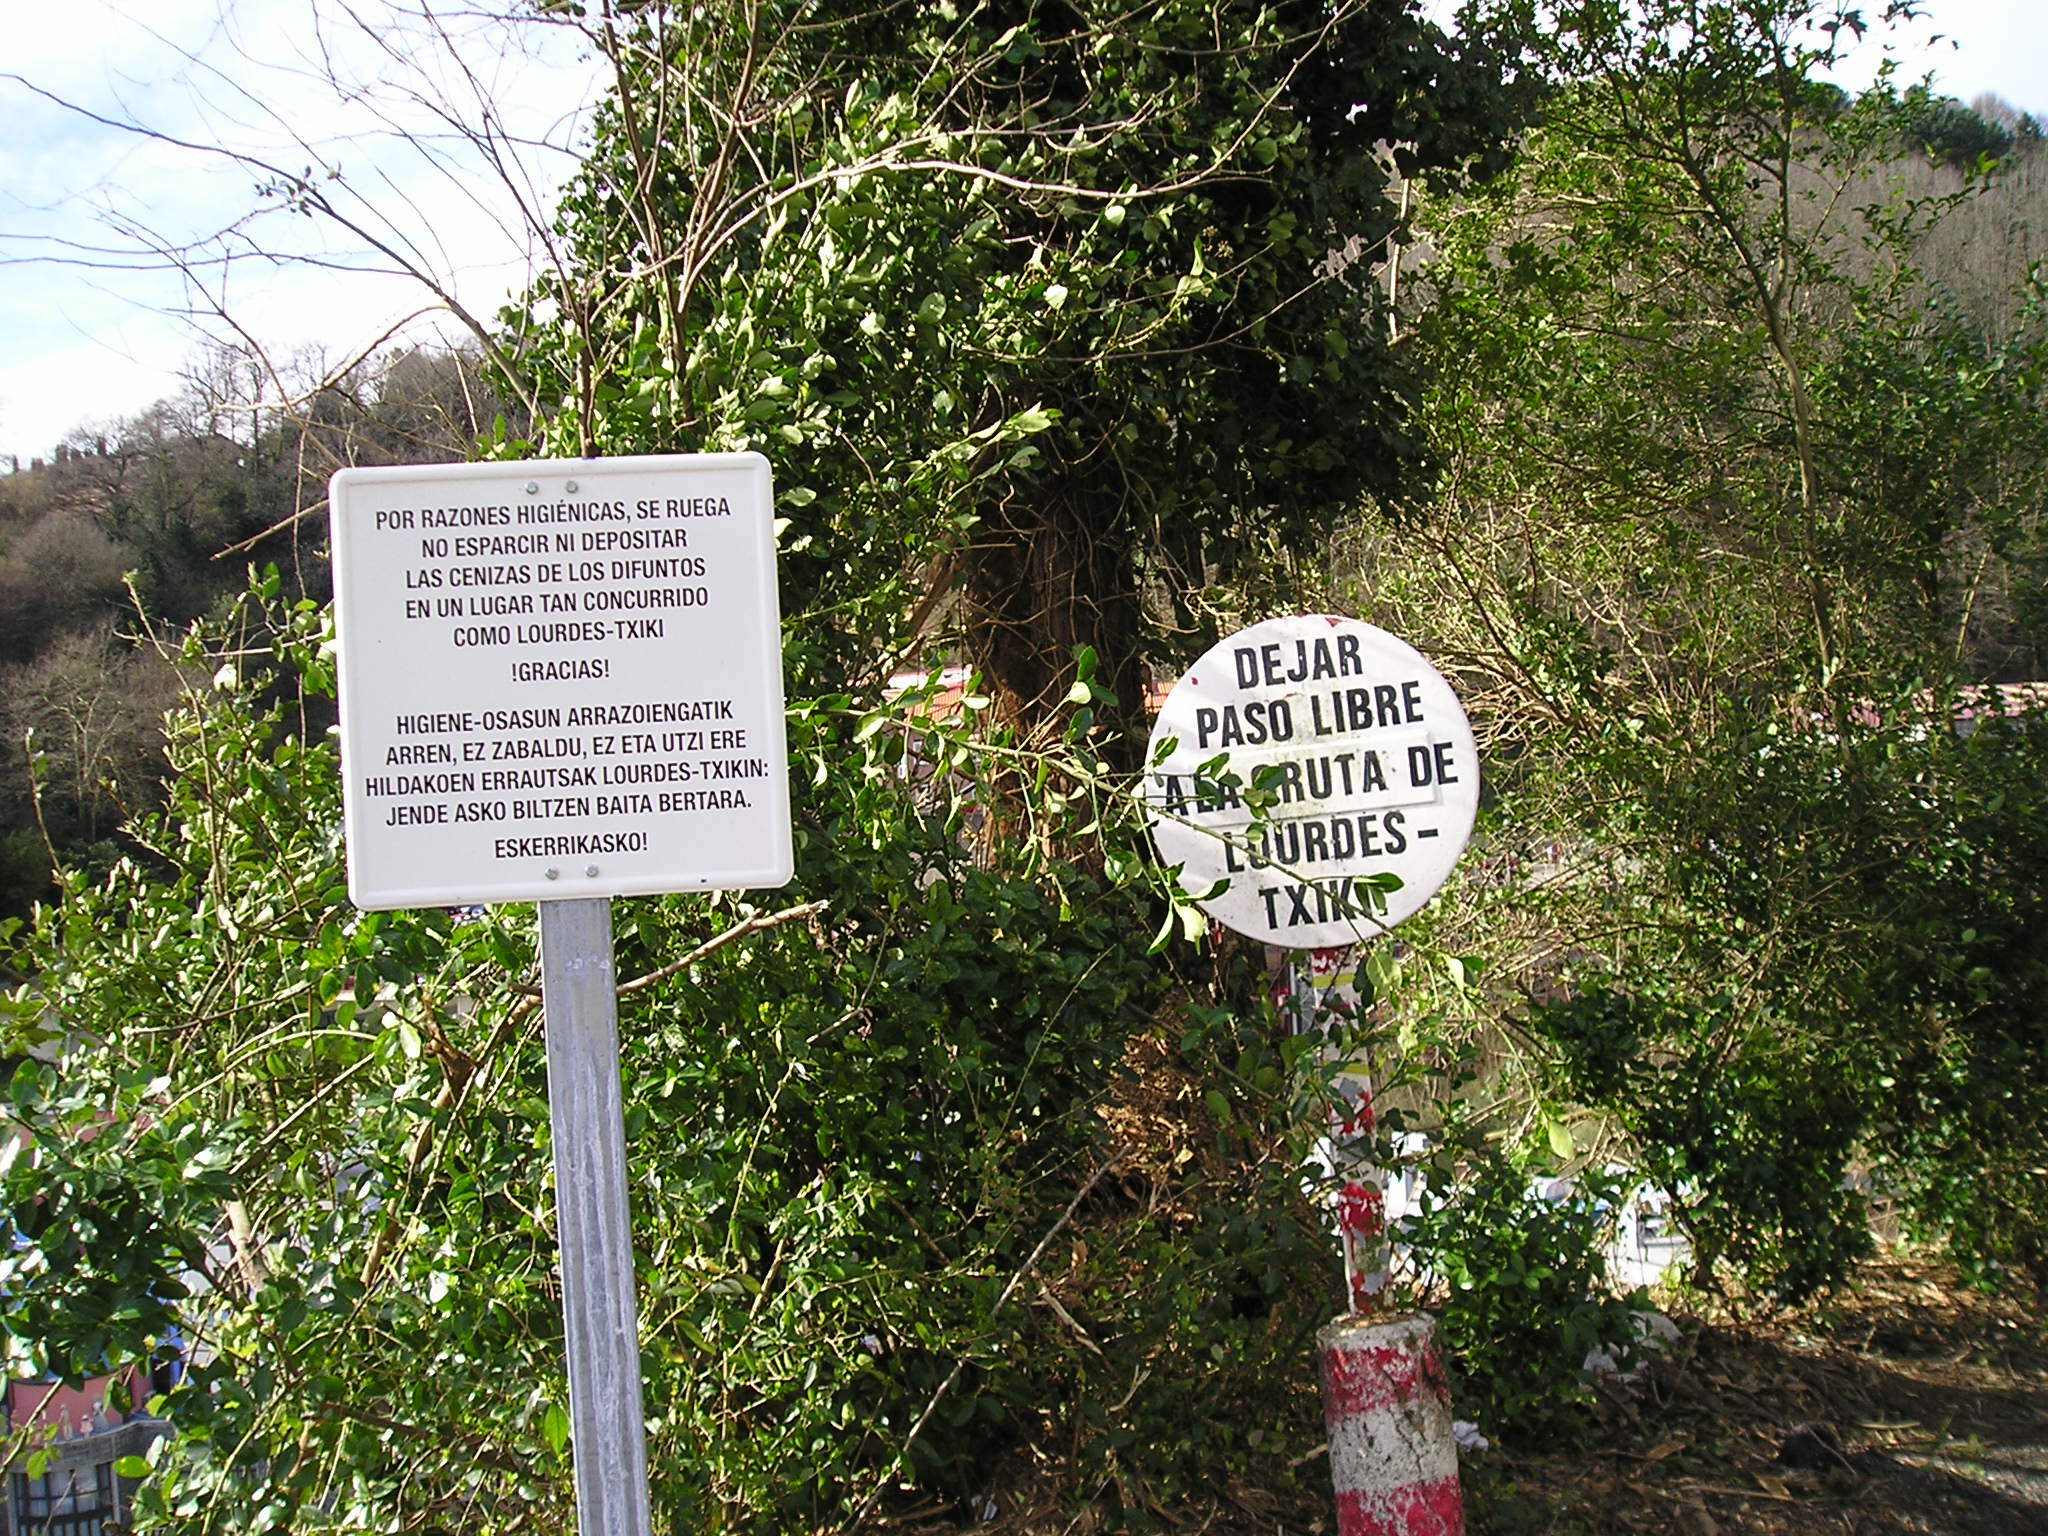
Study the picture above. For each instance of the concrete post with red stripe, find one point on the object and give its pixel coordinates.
(1393, 1457)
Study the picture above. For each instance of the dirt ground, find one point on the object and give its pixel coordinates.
(1909, 1404)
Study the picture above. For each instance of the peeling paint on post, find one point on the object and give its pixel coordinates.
(1393, 1457)
(1322, 991)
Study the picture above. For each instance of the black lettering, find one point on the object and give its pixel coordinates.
(416, 815)
(1369, 836)
(1315, 843)
(418, 752)
(1319, 790)
(1397, 840)
(1297, 906)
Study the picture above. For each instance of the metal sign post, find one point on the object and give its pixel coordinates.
(587, 1123)
(1296, 765)
(561, 681)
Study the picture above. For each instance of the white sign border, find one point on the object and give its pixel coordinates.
(369, 891)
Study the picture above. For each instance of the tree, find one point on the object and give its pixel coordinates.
(1724, 472)
(1955, 135)
(1088, 301)
(1047, 319)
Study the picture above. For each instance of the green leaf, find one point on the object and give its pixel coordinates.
(1560, 1136)
(1164, 936)
(1382, 969)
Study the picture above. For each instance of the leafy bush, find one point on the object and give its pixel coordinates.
(1520, 1285)
(1752, 1142)
(885, 1235)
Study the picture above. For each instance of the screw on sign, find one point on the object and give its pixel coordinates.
(1315, 780)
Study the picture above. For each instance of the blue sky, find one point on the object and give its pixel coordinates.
(94, 327)
(87, 337)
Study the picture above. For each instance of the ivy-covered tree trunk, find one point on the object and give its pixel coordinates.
(1014, 296)
(1046, 575)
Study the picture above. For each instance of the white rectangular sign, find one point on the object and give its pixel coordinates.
(559, 679)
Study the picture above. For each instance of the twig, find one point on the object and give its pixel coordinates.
(711, 946)
(1739, 1493)
(1010, 1289)
(1067, 1317)
(447, 1099)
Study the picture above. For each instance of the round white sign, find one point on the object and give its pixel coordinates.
(1298, 762)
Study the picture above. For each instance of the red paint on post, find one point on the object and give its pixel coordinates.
(1437, 1509)
(1392, 1456)
(1362, 1210)
(1362, 1225)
